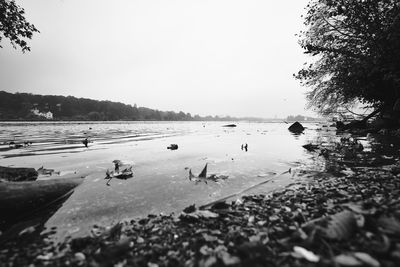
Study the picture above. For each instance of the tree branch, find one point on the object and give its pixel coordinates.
(336, 29)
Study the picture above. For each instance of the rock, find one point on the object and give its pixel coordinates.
(340, 125)
(311, 147)
(18, 174)
(356, 124)
(220, 205)
(229, 125)
(296, 127)
(80, 258)
(173, 147)
(190, 209)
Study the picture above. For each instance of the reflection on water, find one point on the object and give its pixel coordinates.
(160, 182)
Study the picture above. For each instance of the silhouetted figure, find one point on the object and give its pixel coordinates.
(245, 147)
(85, 142)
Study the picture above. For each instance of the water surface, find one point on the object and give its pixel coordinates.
(160, 182)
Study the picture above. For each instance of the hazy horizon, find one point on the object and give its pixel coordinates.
(225, 58)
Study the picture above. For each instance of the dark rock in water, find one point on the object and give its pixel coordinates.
(296, 127)
(12, 144)
(340, 125)
(229, 125)
(356, 124)
(220, 205)
(18, 174)
(311, 147)
(190, 209)
(173, 147)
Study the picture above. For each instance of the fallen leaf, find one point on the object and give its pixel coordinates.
(306, 254)
(367, 259)
(340, 226)
(347, 260)
(389, 225)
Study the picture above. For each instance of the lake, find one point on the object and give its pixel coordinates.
(161, 176)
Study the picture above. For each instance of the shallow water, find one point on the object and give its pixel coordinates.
(160, 182)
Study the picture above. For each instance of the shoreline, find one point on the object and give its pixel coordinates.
(348, 214)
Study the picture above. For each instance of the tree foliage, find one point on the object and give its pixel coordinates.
(19, 106)
(355, 46)
(13, 25)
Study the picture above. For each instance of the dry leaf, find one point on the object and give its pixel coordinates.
(340, 226)
(306, 254)
(347, 260)
(389, 225)
(367, 259)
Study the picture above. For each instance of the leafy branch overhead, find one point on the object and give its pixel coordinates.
(355, 45)
(13, 25)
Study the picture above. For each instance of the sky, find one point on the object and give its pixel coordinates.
(206, 57)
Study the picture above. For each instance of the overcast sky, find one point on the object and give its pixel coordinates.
(216, 57)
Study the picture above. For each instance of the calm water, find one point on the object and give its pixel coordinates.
(160, 182)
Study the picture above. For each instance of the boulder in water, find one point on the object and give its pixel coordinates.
(296, 127)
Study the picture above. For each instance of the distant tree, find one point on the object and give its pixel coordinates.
(13, 25)
(356, 50)
(18, 106)
(95, 116)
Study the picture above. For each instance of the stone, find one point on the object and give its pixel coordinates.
(296, 127)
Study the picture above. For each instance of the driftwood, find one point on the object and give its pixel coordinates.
(18, 198)
(18, 174)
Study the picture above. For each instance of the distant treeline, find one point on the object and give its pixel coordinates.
(301, 118)
(23, 106)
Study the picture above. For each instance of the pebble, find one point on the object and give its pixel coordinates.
(80, 257)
